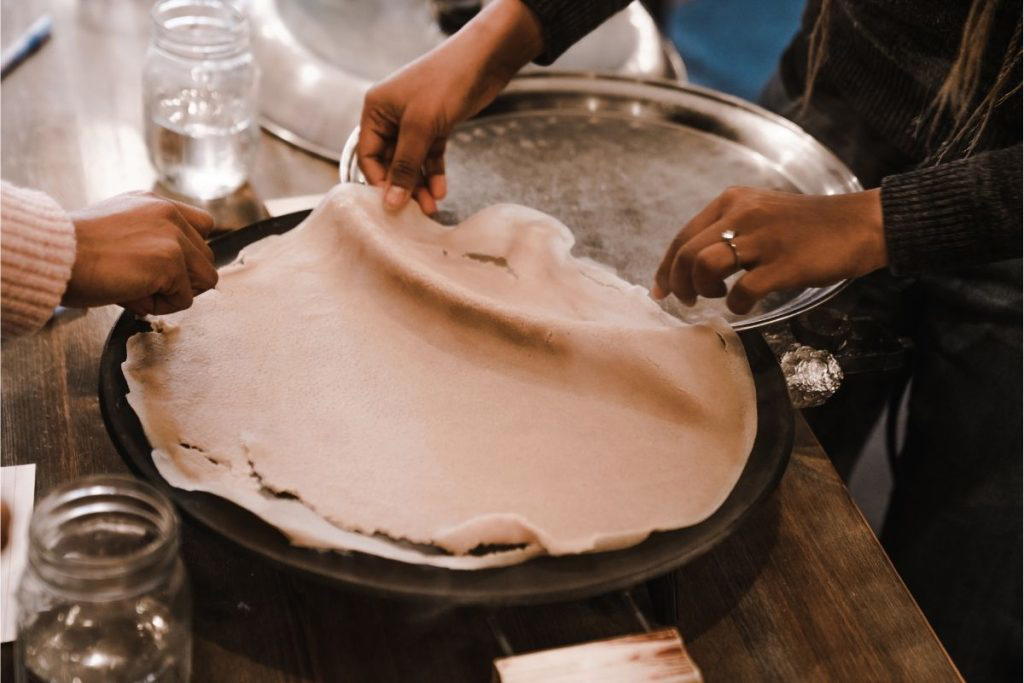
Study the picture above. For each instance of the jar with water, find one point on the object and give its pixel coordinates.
(104, 597)
(200, 87)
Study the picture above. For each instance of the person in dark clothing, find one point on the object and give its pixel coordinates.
(921, 98)
(952, 206)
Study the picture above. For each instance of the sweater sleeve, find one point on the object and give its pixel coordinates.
(566, 21)
(962, 213)
(37, 240)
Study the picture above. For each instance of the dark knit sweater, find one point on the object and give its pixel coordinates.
(885, 60)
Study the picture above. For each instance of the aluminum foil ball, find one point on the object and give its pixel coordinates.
(812, 375)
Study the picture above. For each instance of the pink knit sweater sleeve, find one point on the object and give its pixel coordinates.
(38, 243)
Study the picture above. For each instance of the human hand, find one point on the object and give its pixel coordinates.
(783, 241)
(142, 252)
(408, 116)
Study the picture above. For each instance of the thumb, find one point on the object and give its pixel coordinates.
(405, 170)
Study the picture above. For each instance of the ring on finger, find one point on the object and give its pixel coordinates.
(729, 237)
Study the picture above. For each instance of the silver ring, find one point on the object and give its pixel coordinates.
(728, 236)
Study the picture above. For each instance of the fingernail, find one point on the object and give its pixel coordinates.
(395, 197)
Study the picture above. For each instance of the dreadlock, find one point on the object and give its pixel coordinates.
(958, 90)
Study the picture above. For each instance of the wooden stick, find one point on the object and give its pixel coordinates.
(655, 656)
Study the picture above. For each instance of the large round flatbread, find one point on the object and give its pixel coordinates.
(372, 377)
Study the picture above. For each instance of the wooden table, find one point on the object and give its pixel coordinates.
(802, 592)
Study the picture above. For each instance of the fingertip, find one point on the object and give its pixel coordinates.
(376, 176)
(661, 282)
(678, 281)
(712, 291)
(739, 309)
(438, 185)
(201, 220)
(201, 288)
(739, 305)
(373, 171)
(426, 201)
(395, 197)
(203, 283)
(208, 221)
(688, 299)
(204, 228)
(141, 307)
(164, 305)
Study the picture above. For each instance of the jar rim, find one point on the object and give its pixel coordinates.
(228, 27)
(70, 501)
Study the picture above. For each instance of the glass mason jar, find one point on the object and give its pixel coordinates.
(200, 86)
(104, 596)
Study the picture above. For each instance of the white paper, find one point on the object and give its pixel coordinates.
(18, 486)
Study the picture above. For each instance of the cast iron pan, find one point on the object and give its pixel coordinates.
(543, 579)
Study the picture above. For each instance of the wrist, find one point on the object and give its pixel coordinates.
(511, 37)
(875, 250)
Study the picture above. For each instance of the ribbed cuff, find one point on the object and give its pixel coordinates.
(37, 240)
(564, 22)
(944, 217)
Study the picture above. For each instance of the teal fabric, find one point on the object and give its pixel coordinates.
(733, 45)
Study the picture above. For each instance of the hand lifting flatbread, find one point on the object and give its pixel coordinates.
(370, 377)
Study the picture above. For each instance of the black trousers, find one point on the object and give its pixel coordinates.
(953, 528)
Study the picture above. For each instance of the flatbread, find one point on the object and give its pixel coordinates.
(379, 382)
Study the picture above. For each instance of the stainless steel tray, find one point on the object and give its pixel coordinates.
(625, 163)
(318, 57)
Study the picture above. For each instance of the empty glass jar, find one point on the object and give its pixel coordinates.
(200, 87)
(104, 596)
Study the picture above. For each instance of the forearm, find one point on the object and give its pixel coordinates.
(508, 34)
(962, 213)
(38, 245)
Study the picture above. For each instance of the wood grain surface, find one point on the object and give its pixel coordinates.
(802, 592)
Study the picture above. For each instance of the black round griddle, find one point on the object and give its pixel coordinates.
(542, 579)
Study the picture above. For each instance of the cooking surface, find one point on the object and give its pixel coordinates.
(543, 579)
(802, 590)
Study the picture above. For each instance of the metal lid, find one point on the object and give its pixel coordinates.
(318, 57)
(625, 163)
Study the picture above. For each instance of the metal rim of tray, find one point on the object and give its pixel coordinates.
(539, 580)
(657, 93)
